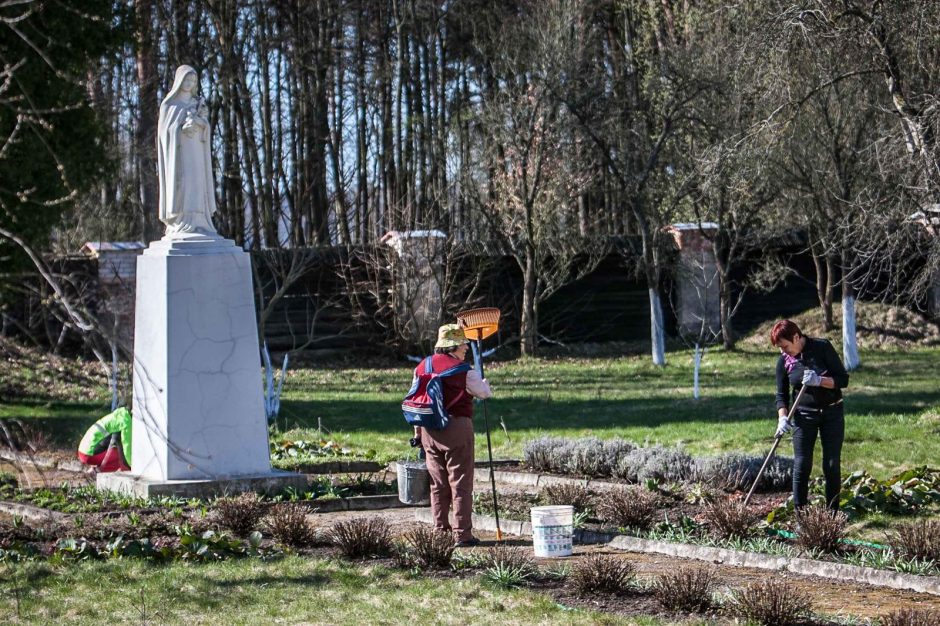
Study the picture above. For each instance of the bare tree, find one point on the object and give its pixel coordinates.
(538, 169)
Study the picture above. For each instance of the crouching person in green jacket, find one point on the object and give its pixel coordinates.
(107, 444)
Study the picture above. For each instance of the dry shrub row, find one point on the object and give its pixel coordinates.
(424, 547)
(596, 458)
(918, 540)
(629, 507)
(603, 573)
(911, 617)
(362, 537)
(565, 494)
(771, 603)
(687, 589)
(241, 514)
(821, 528)
(727, 519)
(288, 524)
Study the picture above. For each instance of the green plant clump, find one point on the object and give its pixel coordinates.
(188, 545)
(8, 485)
(88, 499)
(507, 567)
(313, 449)
(907, 493)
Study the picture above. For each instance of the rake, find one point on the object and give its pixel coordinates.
(773, 448)
(478, 324)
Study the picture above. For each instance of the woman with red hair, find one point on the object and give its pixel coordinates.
(814, 364)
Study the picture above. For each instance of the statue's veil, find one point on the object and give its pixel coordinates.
(181, 73)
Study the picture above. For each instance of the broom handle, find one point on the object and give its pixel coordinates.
(489, 444)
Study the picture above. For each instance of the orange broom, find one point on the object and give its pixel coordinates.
(478, 324)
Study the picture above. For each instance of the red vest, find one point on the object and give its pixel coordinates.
(456, 397)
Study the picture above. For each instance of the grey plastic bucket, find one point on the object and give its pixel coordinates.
(414, 483)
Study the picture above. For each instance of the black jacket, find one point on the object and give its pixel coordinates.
(819, 356)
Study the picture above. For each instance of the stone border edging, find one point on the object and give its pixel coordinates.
(357, 503)
(795, 565)
(530, 479)
(29, 511)
(40, 460)
(724, 556)
(338, 467)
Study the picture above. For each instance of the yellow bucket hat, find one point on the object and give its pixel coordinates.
(450, 336)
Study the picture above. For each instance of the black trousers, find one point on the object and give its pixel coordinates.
(828, 425)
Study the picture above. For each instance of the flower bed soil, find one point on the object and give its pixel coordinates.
(338, 493)
(829, 597)
(516, 505)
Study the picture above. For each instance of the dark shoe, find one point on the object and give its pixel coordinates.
(468, 543)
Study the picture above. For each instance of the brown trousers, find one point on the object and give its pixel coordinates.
(450, 464)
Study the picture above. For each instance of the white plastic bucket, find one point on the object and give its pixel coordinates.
(552, 530)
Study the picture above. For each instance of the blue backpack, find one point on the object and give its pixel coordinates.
(424, 404)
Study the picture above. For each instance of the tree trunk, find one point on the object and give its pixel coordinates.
(697, 365)
(823, 264)
(146, 135)
(657, 331)
(829, 296)
(529, 330)
(849, 339)
(724, 311)
(725, 308)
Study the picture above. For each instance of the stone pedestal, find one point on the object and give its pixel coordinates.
(198, 409)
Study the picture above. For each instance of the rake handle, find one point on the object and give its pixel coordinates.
(773, 448)
(489, 443)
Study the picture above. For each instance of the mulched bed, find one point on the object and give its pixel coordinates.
(515, 504)
(629, 604)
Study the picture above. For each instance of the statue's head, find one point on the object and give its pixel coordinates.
(185, 81)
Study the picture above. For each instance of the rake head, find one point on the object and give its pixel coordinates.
(479, 323)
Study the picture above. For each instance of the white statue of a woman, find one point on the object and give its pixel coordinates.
(187, 191)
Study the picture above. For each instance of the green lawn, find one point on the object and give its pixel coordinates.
(892, 406)
(292, 590)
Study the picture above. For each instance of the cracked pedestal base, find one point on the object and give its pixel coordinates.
(272, 482)
(198, 404)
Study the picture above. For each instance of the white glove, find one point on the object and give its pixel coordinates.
(783, 426)
(811, 378)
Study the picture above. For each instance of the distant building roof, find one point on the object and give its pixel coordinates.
(693, 226)
(94, 248)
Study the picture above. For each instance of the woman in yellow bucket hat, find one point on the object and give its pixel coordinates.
(450, 451)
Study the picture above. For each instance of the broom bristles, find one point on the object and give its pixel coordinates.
(478, 317)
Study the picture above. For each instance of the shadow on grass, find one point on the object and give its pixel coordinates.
(546, 414)
(269, 580)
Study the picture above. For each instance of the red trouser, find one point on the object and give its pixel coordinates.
(450, 464)
(108, 460)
